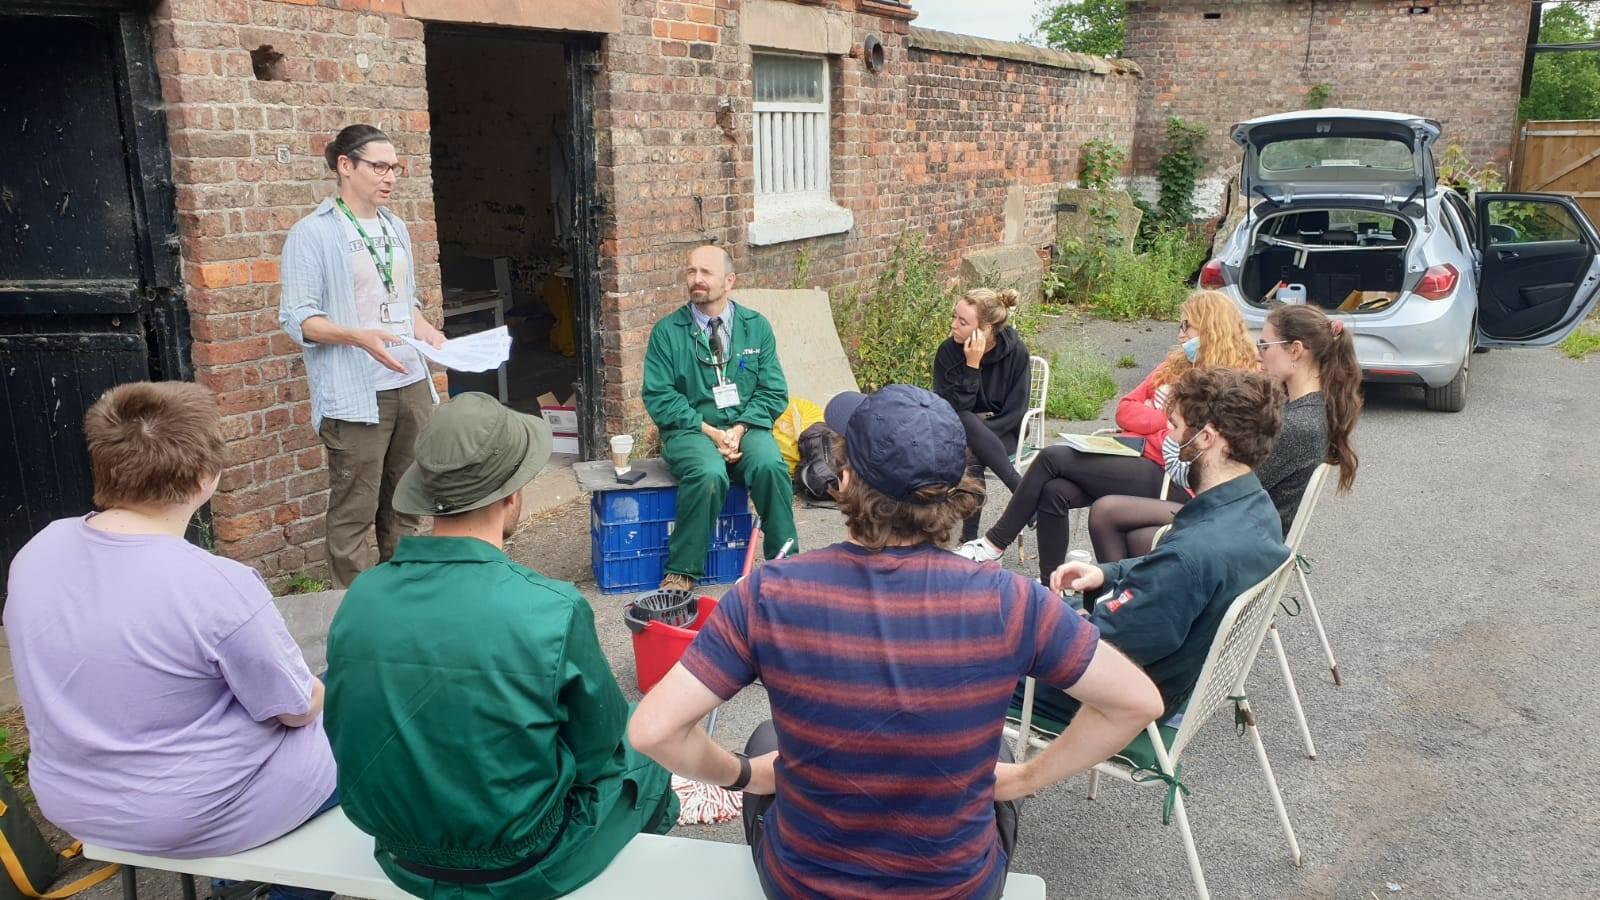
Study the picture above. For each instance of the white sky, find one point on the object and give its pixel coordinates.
(1003, 20)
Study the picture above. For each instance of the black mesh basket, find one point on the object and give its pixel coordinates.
(675, 608)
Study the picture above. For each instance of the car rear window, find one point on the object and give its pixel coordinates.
(1344, 153)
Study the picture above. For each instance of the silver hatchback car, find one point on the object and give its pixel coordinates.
(1346, 213)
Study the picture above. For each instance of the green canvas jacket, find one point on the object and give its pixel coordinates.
(678, 376)
(471, 713)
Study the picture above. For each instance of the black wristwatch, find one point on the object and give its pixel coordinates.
(744, 773)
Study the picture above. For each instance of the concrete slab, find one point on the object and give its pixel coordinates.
(1007, 266)
(1073, 220)
(808, 345)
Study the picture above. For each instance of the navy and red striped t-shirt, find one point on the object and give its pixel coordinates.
(889, 673)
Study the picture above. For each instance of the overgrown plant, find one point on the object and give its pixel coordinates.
(1178, 171)
(1457, 170)
(802, 268)
(1318, 95)
(1098, 164)
(1584, 341)
(1148, 285)
(1080, 383)
(301, 583)
(892, 330)
(13, 759)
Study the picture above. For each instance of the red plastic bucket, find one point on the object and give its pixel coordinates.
(657, 645)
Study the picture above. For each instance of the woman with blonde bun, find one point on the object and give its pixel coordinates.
(983, 372)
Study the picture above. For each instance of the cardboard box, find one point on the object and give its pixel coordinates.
(1366, 301)
(562, 416)
(564, 444)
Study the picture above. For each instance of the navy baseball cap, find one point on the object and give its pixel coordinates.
(900, 439)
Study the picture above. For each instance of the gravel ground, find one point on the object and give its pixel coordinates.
(1451, 762)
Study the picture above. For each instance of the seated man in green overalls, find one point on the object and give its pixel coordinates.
(478, 731)
(713, 385)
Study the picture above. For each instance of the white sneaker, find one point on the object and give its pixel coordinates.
(980, 550)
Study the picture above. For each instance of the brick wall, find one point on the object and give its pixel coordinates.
(235, 204)
(1461, 63)
(933, 142)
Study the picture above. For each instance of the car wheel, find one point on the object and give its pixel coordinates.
(1452, 397)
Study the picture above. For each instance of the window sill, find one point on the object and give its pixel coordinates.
(796, 218)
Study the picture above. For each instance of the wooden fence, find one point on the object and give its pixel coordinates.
(1561, 157)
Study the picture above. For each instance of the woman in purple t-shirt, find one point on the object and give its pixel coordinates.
(168, 709)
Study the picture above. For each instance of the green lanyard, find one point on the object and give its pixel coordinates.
(385, 267)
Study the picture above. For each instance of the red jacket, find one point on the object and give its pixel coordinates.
(1138, 416)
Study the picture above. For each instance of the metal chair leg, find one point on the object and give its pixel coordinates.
(1294, 693)
(130, 883)
(1316, 619)
(188, 888)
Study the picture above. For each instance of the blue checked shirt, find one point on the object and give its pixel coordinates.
(316, 281)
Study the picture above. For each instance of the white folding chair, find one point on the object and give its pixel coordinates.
(1228, 663)
(1297, 533)
(1031, 436)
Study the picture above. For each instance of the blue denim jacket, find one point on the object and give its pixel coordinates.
(315, 281)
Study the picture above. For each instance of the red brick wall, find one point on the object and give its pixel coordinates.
(235, 205)
(1461, 64)
(932, 143)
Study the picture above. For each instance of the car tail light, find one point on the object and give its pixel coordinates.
(1438, 282)
(1211, 277)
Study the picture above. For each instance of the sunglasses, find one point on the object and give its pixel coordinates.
(1261, 346)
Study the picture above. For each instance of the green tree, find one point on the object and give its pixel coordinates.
(1095, 27)
(1566, 85)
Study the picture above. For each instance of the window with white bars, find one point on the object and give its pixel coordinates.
(791, 136)
(792, 159)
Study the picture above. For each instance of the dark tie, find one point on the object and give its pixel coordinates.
(715, 337)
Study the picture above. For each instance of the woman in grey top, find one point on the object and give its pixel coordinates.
(1314, 358)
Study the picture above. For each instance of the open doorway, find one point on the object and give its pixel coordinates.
(512, 157)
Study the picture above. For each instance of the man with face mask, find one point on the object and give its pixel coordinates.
(1163, 609)
(713, 386)
(480, 733)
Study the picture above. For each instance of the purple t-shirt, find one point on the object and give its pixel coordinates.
(151, 674)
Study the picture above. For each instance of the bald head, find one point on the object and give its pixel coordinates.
(709, 277)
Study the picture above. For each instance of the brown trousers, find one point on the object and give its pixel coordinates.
(365, 462)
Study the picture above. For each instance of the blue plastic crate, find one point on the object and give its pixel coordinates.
(626, 572)
(642, 520)
(654, 505)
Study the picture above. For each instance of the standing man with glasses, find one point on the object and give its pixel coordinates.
(349, 295)
(713, 386)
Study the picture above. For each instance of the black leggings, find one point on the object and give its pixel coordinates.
(987, 450)
(1060, 480)
(1124, 527)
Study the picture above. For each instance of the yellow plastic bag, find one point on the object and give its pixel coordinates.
(800, 415)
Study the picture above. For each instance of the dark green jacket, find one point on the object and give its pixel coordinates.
(1163, 609)
(468, 705)
(678, 377)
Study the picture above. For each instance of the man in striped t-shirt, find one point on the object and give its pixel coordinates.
(889, 663)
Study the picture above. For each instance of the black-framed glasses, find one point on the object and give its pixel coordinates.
(1261, 346)
(382, 168)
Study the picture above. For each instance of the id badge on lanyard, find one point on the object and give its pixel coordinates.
(395, 316)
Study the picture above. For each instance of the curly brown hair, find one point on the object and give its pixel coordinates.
(876, 520)
(1246, 408)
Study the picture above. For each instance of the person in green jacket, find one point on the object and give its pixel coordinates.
(477, 729)
(713, 386)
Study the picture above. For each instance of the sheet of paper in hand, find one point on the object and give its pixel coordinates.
(481, 352)
(1098, 443)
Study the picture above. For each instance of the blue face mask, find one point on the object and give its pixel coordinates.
(1191, 348)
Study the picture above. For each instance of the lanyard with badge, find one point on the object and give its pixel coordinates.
(392, 312)
(725, 394)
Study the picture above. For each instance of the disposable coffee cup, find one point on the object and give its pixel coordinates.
(621, 449)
